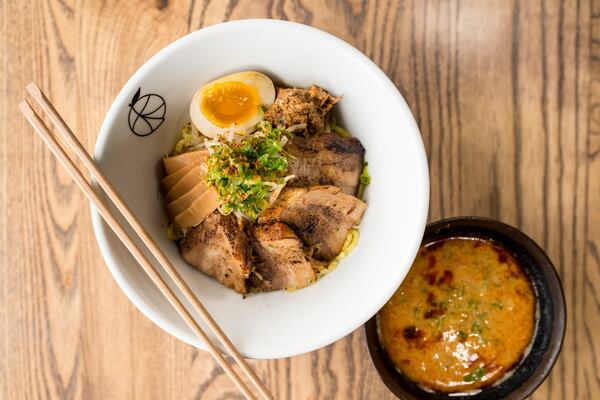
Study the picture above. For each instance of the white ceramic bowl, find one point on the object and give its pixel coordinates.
(278, 324)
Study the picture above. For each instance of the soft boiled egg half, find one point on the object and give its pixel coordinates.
(232, 102)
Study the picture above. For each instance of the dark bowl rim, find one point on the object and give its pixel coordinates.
(552, 280)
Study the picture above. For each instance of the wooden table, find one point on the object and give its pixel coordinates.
(507, 96)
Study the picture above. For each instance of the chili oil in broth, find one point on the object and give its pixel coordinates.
(462, 318)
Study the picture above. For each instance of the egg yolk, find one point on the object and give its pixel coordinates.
(229, 103)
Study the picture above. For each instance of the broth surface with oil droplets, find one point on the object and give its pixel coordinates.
(461, 319)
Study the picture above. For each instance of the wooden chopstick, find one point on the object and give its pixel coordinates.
(87, 189)
(67, 135)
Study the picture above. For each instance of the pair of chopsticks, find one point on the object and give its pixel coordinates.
(62, 139)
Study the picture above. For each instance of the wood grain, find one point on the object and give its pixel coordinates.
(507, 96)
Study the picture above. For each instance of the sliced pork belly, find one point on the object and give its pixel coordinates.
(280, 262)
(219, 247)
(321, 216)
(325, 159)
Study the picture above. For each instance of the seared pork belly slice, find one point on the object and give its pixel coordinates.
(280, 262)
(295, 106)
(321, 216)
(325, 159)
(220, 248)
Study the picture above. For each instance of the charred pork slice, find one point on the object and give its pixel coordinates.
(219, 247)
(326, 159)
(321, 216)
(280, 259)
(295, 106)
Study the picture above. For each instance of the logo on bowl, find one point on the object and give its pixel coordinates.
(146, 113)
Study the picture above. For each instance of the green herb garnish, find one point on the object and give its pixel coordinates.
(365, 178)
(476, 328)
(190, 140)
(363, 181)
(498, 304)
(244, 173)
(262, 110)
(473, 304)
(475, 375)
(174, 233)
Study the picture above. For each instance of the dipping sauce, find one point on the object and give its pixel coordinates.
(461, 319)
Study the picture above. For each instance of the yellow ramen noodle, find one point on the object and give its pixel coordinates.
(461, 319)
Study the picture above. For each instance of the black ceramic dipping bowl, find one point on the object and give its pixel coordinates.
(547, 339)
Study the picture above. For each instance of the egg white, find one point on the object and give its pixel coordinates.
(260, 82)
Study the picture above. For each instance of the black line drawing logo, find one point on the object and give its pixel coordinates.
(146, 113)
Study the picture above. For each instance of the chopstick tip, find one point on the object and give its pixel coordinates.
(33, 89)
(25, 108)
